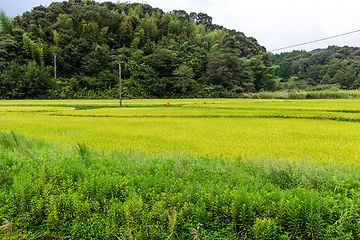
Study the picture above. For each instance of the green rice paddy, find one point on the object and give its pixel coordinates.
(317, 130)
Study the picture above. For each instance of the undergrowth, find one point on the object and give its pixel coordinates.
(83, 194)
(300, 94)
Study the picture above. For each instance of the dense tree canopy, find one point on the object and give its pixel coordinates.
(173, 54)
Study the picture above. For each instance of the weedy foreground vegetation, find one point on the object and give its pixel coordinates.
(180, 169)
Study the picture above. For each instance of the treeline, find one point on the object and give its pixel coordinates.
(333, 67)
(164, 55)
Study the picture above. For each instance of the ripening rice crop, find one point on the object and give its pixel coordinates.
(347, 105)
(179, 111)
(229, 137)
(15, 108)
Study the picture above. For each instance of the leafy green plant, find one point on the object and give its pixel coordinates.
(265, 229)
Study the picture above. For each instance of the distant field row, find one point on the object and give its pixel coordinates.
(211, 112)
(343, 110)
(351, 105)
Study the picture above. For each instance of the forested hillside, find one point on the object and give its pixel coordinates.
(333, 67)
(165, 55)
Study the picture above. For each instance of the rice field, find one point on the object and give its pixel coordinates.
(180, 169)
(325, 104)
(316, 130)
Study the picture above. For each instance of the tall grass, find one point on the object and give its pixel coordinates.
(292, 94)
(127, 195)
(12, 141)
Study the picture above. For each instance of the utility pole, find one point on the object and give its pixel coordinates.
(55, 54)
(119, 62)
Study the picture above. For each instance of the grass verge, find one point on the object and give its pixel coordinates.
(80, 193)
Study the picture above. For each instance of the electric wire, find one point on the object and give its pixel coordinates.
(314, 41)
(173, 74)
(63, 62)
(310, 58)
(314, 57)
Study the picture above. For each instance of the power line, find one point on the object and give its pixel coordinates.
(172, 74)
(318, 40)
(163, 65)
(69, 66)
(64, 63)
(313, 57)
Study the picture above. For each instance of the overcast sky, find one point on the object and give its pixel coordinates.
(274, 23)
